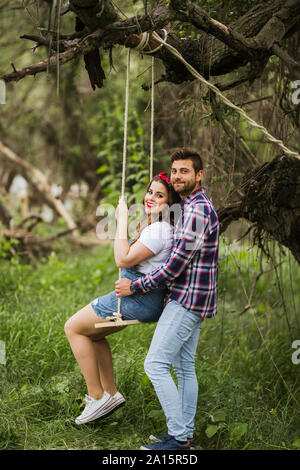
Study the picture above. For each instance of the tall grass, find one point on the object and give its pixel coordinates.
(248, 385)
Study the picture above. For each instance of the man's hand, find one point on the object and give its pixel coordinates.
(122, 287)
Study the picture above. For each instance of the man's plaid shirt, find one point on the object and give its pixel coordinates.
(191, 271)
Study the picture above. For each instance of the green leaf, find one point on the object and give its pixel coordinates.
(212, 429)
(145, 382)
(219, 415)
(155, 414)
(296, 442)
(237, 430)
(102, 169)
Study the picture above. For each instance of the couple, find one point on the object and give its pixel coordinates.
(170, 276)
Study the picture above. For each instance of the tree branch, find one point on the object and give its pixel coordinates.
(187, 11)
(83, 46)
(5, 215)
(222, 49)
(36, 178)
(293, 66)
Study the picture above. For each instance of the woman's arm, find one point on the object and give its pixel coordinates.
(125, 255)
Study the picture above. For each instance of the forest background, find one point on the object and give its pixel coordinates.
(53, 263)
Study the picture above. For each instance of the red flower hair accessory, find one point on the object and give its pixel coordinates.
(164, 176)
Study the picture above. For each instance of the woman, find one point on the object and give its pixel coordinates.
(149, 250)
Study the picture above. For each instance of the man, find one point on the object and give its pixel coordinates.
(191, 275)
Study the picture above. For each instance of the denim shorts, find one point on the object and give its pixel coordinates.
(146, 307)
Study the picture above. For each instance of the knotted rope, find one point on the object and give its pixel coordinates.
(174, 51)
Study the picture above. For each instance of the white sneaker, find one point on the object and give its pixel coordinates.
(117, 401)
(94, 409)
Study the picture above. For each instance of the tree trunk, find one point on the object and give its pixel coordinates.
(271, 200)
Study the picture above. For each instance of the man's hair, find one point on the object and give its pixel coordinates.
(186, 153)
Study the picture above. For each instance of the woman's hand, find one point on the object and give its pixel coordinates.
(122, 210)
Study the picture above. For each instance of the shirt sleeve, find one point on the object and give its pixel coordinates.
(190, 234)
(152, 237)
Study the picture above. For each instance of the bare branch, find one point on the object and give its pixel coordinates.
(35, 177)
(294, 67)
(254, 284)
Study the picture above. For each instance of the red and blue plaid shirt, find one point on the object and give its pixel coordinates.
(191, 271)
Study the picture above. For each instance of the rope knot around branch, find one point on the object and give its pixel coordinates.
(145, 38)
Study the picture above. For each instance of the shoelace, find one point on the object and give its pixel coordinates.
(89, 402)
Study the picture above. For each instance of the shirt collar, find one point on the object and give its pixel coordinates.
(191, 197)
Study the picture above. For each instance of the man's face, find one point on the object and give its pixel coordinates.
(184, 179)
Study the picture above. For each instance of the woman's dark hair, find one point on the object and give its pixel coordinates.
(186, 153)
(173, 197)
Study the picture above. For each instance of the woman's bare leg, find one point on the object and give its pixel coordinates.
(79, 330)
(103, 353)
(105, 365)
(92, 351)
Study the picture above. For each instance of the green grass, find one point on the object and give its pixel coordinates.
(248, 385)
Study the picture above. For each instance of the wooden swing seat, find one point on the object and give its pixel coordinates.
(115, 323)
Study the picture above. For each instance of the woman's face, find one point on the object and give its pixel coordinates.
(156, 197)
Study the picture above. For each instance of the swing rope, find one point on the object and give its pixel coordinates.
(152, 120)
(125, 126)
(122, 197)
(117, 316)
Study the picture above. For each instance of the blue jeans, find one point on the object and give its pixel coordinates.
(174, 342)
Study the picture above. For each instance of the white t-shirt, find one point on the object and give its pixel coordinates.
(158, 237)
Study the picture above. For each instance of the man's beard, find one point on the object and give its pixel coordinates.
(186, 188)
